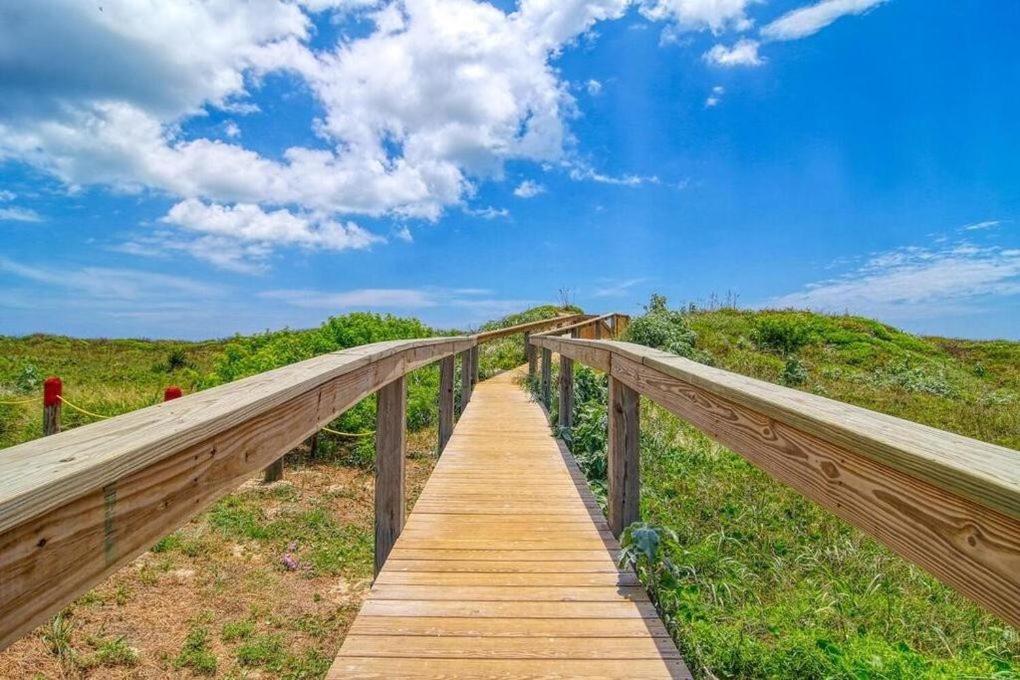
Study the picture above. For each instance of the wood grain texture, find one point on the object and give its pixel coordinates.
(945, 502)
(506, 568)
(531, 326)
(465, 379)
(624, 498)
(77, 505)
(390, 448)
(546, 377)
(447, 368)
(566, 386)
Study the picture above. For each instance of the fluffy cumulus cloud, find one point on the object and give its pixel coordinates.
(743, 53)
(433, 98)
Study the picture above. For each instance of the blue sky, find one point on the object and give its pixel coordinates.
(216, 167)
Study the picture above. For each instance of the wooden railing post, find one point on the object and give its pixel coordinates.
(566, 419)
(529, 352)
(546, 377)
(624, 472)
(446, 370)
(390, 437)
(474, 366)
(52, 391)
(465, 379)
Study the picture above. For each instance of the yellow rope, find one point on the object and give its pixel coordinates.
(21, 401)
(348, 434)
(79, 408)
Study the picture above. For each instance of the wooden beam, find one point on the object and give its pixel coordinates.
(531, 355)
(273, 471)
(390, 449)
(465, 379)
(624, 474)
(541, 324)
(566, 383)
(76, 506)
(447, 367)
(546, 377)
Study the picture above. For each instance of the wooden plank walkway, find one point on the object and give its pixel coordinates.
(506, 568)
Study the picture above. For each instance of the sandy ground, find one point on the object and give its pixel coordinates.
(153, 602)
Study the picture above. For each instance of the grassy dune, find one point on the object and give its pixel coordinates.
(755, 581)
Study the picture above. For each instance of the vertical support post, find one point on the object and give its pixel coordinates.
(529, 354)
(598, 329)
(446, 370)
(390, 444)
(546, 376)
(273, 471)
(474, 366)
(624, 472)
(566, 419)
(465, 379)
(313, 446)
(53, 388)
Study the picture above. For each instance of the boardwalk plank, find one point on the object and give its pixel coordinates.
(506, 568)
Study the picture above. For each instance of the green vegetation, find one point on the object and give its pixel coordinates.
(752, 579)
(104, 376)
(506, 353)
(195, 653)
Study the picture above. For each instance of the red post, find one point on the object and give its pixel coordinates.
(172, 392)
(52, 390)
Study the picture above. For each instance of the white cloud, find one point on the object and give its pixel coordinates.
(231, 129)
(743, 53)
(7, 195)
(580, 172)
(16, 214)
(715, 15)
(617, 287)
(808, 20)
(716, 96)
(528, 189)
(593, 87)
(406, 298)
(914, 281)
(987, 224)
(245, 231)
(488, 212)
(110, 283)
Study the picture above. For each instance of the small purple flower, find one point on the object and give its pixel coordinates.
(290, 562)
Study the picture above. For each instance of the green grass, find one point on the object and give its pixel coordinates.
(108, 377)
(755, 581)
(195, 653)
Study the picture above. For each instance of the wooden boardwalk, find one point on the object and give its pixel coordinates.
(506, 568)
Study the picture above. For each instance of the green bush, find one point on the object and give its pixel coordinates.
(782, 334)
(665, 329)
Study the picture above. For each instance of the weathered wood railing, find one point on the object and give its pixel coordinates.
(947, 503)
(77, 505)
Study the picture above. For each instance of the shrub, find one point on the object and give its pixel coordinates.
(666, 329)
(782, 334)
(794, 372)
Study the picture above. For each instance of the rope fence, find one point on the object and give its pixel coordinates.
(53, 399)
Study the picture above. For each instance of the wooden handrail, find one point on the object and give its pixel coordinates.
(528, 327)
(584, 323)
(948, 503)
(77, 505)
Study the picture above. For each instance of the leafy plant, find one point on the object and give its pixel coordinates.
(665, 329)
(642, 547)
(794, 372)
(781, 334)
(195, 653)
